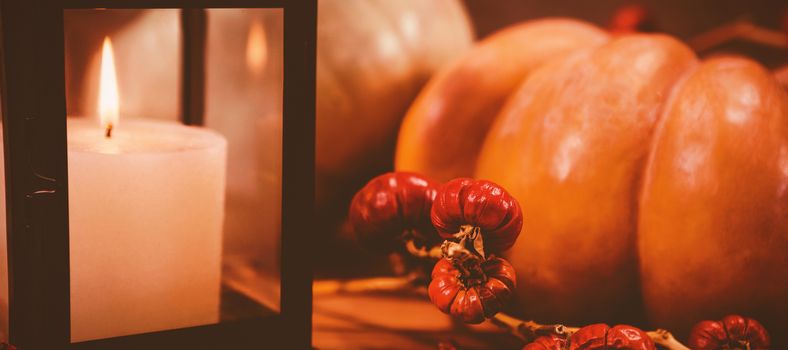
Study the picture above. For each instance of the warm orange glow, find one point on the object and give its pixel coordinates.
(108, 101)
(256, 48)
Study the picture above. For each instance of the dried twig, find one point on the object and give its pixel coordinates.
(739, 29)
(525, 330)
(530, 330)
(432, 253)
(666, 339)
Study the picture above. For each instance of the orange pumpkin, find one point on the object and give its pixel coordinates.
(713, 224)
(572, 143)
(445, 127)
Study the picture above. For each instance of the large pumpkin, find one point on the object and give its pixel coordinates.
(372, 59)
(713, 225)
(572, 143)
(443, 131)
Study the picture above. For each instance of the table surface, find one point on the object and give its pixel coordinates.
(396, 321)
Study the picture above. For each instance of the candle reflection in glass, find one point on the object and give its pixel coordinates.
(244, 81)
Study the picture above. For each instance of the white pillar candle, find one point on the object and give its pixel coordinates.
(145, 212)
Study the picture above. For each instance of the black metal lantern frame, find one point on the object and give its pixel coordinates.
(34, 117)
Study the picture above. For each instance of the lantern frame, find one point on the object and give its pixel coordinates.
(34, 137)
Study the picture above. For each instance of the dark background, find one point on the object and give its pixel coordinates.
(677, 17)
(681, 18)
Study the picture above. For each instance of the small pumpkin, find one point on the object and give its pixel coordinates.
(596, 337)
(472, 298)
(602, 337)
(463, 205)
(547, 342)
(394, 207)
(732, 332)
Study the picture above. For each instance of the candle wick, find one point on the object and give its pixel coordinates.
(108, 133)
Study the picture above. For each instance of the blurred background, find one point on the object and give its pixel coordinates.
(710, 27)
(683, 19)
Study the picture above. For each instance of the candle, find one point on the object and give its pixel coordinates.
(146, 207)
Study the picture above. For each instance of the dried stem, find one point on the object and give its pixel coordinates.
(666, 339)
(738, 29)
(530, 330)
(366, 285)
(432, 253)
(525, 330)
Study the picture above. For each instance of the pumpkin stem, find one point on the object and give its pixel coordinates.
(742, 344)
(473, 238)
(467, 255)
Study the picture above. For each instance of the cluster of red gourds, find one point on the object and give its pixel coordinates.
(477, 220)
(596, 337)
(731, 333)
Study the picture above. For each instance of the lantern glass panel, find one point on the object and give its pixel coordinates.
(244, 75)
(173, 226)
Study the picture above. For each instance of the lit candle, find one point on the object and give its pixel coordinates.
(146, 206)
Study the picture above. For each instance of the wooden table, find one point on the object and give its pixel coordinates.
(396, 321)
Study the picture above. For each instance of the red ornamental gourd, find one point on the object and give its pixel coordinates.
(464, 204)
(597, 337)
(391, 208)
(547, 342)
(733, 332)
(602, 337)
(472, 298)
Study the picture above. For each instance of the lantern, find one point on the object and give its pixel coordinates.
(115, 228)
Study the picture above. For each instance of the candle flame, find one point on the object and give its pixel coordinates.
(108, 101)
(256, 48)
